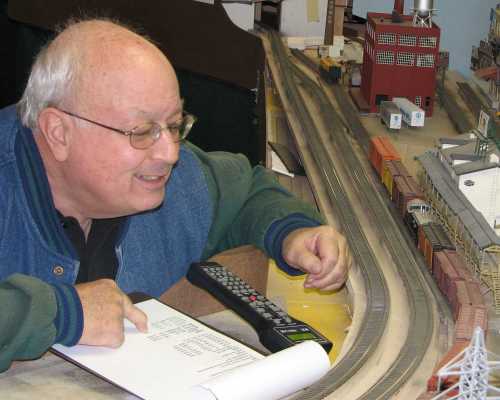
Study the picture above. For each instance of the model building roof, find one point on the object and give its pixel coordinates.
(473, 220)
(473, 162)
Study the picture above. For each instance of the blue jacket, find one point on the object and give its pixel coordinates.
(162, 242)
(214, 201)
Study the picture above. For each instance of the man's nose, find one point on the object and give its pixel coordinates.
(166, 148)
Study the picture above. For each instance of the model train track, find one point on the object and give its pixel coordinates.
(376, 315)
(456, 114)
(471, 99)
(358, 131)
(352, 120)
(420, 309)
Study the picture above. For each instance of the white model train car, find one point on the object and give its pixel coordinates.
(412, 115)
(390, 115)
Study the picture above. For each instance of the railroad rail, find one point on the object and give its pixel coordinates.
(456, 114)
(375, 317)
(378, 297)
(471, 99)
(352, 120)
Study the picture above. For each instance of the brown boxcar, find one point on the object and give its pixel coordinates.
(468, 318)
(446, 275)
(421, 241)
(467, 293)
(381, 149)
(432, 239)
(405, 188)
(459, 264)
(392, 168)
(432, 383)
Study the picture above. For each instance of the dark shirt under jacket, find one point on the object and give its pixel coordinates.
(97, 254)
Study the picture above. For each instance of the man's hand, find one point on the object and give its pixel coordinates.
(104, 308)
(322, 253)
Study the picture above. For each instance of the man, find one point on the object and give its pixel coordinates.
(99, 197)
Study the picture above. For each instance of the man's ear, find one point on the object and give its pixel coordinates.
(54, 127)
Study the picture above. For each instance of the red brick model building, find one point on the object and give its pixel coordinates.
(400, 60)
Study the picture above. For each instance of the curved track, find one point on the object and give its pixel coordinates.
(376, 316)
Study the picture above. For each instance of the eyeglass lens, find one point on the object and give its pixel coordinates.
(146, 135)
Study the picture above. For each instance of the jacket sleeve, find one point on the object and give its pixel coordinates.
(246, 201)
(34, 315)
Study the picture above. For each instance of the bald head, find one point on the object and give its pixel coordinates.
(84, 62)
(93, 86)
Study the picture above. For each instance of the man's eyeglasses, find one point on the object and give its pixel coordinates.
(144, 136)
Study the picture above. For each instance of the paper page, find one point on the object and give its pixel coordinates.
(176, 354)
(272, 378)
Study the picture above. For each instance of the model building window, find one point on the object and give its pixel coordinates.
(418, 101)
(387, 38)
(407, 59)
(425, 60)
(428, 41)
(407, 40)
(385, 57)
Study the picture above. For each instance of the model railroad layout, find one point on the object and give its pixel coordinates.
(339, 144)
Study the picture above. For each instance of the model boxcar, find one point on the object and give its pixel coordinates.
(446, 275)
(467, 293)
(446, 382)
(381, 149)
(404, 189)
(431, 239)
(469, 317)
(390, 115)
(392, 168)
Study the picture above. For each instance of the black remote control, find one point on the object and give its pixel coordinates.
(276, 329)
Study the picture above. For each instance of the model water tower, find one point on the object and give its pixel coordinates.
(423, 10)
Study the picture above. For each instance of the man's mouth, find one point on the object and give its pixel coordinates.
(151, 178)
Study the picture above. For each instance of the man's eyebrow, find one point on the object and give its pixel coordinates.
(148, 115)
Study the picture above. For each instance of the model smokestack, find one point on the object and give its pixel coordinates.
(399, 6)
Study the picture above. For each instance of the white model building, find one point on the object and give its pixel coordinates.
(474, 165)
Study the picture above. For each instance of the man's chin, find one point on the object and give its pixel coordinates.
(150, 205)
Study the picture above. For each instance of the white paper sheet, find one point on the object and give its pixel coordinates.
(273, 377)
(180, 357)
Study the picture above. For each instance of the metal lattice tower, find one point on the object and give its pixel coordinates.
(473, 368)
